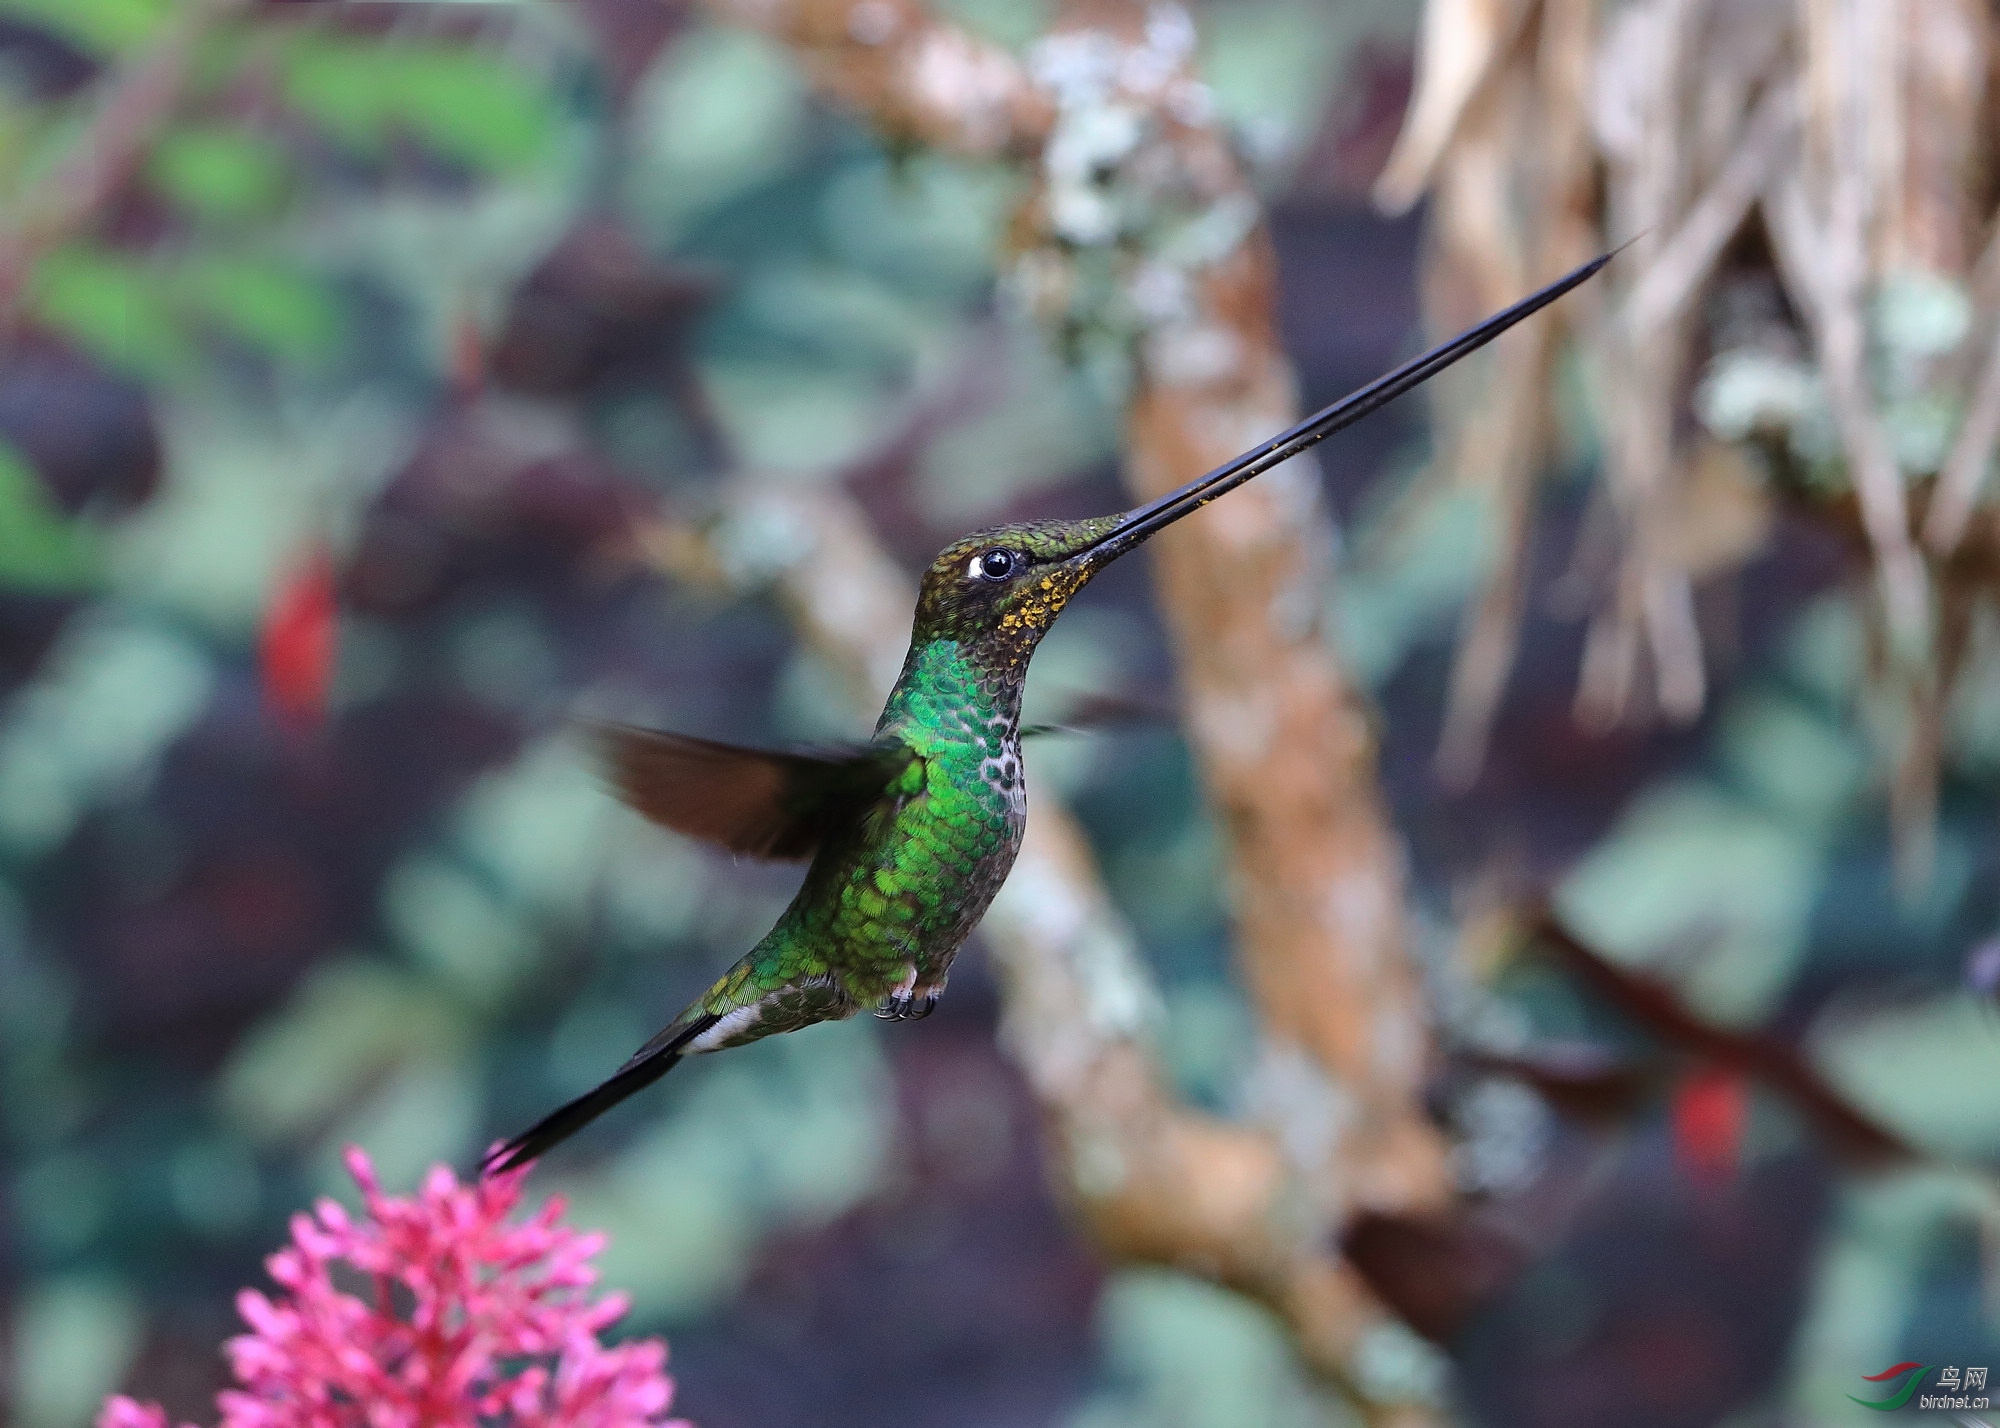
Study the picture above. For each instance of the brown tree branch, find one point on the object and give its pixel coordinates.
(918, 79)
(1857, 1138)
(1281, 734)
(1286, 751)
(1512, 441)
(1501, 442)
(133, 101)
(1964, 469)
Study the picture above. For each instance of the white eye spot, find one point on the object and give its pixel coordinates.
(995, 564)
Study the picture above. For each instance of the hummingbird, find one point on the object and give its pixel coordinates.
(910, 834)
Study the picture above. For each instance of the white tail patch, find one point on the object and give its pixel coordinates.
(730, 1023)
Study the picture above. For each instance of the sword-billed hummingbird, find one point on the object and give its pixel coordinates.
(912, 833)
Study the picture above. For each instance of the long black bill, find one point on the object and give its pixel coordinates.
(1141, 522)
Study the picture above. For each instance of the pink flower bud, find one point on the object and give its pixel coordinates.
(470, 1320)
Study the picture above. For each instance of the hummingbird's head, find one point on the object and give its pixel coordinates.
(1000, 589)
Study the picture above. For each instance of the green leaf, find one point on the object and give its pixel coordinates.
(219, 173)
(102, 27)
(1693, 864)
(341, 86)
(74, 1338)
(351, 1023)
(40, 549)
(110, 304)
(136, 314)
(472, 105)
(462, 102)
(263, 302)
(1930, 1069)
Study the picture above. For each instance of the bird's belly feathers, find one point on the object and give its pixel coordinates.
(910, 887)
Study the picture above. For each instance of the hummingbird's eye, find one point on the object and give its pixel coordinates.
(995, 564)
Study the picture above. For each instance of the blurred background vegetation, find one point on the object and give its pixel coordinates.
(352, 351)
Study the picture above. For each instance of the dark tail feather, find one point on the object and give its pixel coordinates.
(559, 1125)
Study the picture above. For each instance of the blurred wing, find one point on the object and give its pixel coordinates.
(756, 801)
(1099, 713)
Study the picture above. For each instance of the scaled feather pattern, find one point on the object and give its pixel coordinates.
(472, 1321)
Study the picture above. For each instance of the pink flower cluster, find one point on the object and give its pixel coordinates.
(466, 1320)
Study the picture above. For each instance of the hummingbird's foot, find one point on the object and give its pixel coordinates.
(902, 1006)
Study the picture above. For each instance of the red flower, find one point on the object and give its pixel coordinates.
(300, 630)
(472, 1321)
(1711, 1110)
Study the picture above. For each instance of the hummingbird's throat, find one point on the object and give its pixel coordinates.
(1033, 608)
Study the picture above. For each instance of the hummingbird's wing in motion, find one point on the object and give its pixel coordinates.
(1102, 713)
(766, 803)
(757, 801)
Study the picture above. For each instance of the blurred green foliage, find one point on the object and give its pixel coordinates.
(100, 27)
(459, 102)
(39, 548)
(220, 174)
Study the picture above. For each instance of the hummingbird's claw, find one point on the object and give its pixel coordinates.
(902, 1006)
